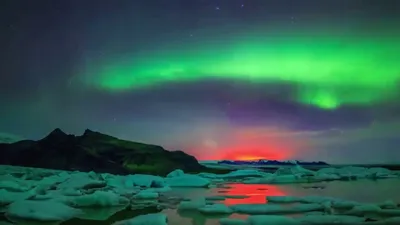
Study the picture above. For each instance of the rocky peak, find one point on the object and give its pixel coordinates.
(56, 134)
(88, 132)
(95, 135)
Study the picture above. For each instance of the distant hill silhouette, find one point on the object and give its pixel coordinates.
(95, 151)
(273, 162)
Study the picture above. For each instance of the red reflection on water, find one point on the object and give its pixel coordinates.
(256, 193)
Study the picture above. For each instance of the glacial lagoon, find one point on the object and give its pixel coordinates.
(230, 193)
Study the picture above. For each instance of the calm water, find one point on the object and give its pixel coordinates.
(366, 191)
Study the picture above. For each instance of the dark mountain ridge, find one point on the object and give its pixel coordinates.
(94, 151)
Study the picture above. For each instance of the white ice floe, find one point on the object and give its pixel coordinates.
(255, 209)
(330, 219)
(148, 219)
(355, 172)
(81, 181)
(292, 170)
(188, 180)
(56, 192)
(390, 212)
(333, 202)
(271, 220)
(388, 221)
(283, 199)
(143, 180)
(298, 174)
(231, 221)
(360, 210)
(216, 209)
(99, 199)
(41, 211)
(14, 186)
(7, 197)
(146, 194)
(175, 173)
(388, 205)
(343, 204)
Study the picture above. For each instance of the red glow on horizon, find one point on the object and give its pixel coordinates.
(253, 144)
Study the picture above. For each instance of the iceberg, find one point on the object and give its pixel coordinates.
(45, 211)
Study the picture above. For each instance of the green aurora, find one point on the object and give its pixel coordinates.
(328, 69)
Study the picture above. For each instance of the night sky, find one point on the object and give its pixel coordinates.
(227, 79)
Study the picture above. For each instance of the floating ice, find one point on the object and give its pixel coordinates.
(148, 219)
(188, 180)
(272, 220)
(99, 199)
(216, 209)
(41, 211)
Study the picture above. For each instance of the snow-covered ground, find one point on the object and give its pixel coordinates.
(41, 195)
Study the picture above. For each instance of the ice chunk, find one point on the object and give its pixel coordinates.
(388, 205)
(287, 179)
(328, 170)
(53, 180)
(315, 213)
(13, 186)
(380, 170)
(389, 221)
(298, 208)
(188, 180)
(325, 177)
(297, 169)
(271, 220)
(98, 214)
(231, 221)
(316, 199)
(41, 211)
(175, 173)
(99, 199)
(330, 219)
(283, 199)
(360, 210)
(81, 181)
(216, 209)
(146, 194)
(160, 190)
(257, 208)
(71, 192)
(144, 180)
(148, 219)
(7, 197)
(273, 208)
(244, 173)
(343, 204)
(390, 212)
